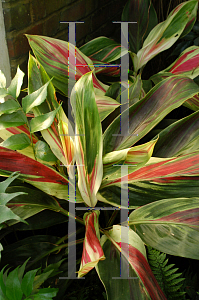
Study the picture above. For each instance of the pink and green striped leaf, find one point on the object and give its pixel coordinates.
(43, 177)
(141, 283)
(169, 225)
(53, 55)
(143, 14)
(92, 250)
(105, 104)
(165, 34)
(88, 139)
(181, 137)
(107, 69)
(185, 167)
(149, 111)
(62, 150)
(192, 103)
(103, 49)
(186, 64)
(135, 158)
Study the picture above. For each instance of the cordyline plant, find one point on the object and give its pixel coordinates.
(163, 172)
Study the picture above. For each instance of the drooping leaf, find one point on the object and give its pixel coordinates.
(92, 250)
(141, 283)
(149, 111)
(143, 13)
(169, 225)
(165, 34)
(88, 141)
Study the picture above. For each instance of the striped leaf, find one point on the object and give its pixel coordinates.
(169, 225)
(88, 139)
(37, 78)
(181, 137)
(165, 34)
(53, 54)
(92, 250)
(35, 173)
(149, 111)
(142, 12)
(135, 158)
(105, 104)
(186, 64)
(142, 283)
(103, 49)
(185, 167)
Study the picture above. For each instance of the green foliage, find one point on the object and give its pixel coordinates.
(17, 286)
(169, 281)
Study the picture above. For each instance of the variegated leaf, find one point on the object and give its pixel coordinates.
(169, 225)
(92, 250)
(141, 283)
(53, 54)
(88, 139)
(165, 34)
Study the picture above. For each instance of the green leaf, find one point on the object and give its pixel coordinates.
(27, 282)
(44, 121)
(13, 286)
(8, 107)
(16, 83)
(88, 140)
(169, 225)
(35, 98)
(43, 152)
(16, 142)
(11, 120)
(143, 13)
(181, 137)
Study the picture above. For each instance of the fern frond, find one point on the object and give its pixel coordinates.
(169, 281)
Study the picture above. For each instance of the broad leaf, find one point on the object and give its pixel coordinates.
(88, 141)
(43, 122)
(16, 142)
(35, 173)
(181, 137)
(92, 250)
(53, 55)
(141, 283)
(8, 107)
(142, 12)
(43, 152)
(34, 99)
(169, 225)
(165, 34)
(10, 120)
(149, 111)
